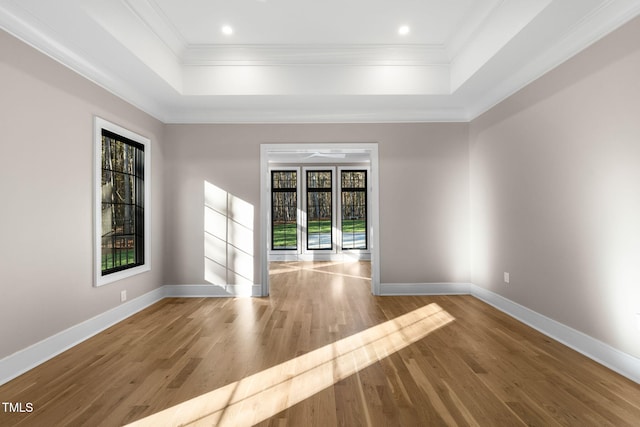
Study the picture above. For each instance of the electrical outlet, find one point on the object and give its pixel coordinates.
(123, 296)
(506, 277)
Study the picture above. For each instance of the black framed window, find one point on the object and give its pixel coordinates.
(319, 209)
(284, 210)
(123, 200)
(353, 197)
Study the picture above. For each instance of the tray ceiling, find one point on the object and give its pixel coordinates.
(267, 61)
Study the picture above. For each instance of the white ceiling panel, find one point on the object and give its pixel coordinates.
(318, 22)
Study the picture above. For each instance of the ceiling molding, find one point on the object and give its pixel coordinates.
(321, 115)
(505, 22)
(471, 26)
(261, 55)
(27, 28)
(612, 14)
(155, 19)
(158, 72)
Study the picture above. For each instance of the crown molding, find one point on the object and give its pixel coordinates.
(323, 115)
(27, 28)
(154, 18)
(611, 15)
(291, 54)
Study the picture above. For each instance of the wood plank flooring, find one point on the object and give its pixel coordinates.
(322, 351)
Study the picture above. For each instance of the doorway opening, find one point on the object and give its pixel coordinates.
(319, 208)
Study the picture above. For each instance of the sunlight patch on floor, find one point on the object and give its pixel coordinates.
(288, 267)
(260, 396)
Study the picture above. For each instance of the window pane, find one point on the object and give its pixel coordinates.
(106, 152)
(128, 189)
(284, 209)
(285, 179)
(354, 179)
(107, 186)
(319, 179)
(319, 210)
(107, 253)
(129, 154)
(354, 209)
(117, 155)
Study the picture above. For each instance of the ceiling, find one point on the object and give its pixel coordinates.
(313, 61)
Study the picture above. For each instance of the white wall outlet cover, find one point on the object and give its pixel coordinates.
(123, 296)
(506, 277)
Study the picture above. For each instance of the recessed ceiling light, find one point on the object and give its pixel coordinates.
(227, 30)
(404, 30)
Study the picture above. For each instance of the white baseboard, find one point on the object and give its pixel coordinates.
(398, 289)
(32, 356)
(612, 358)
(206, 291)
(24, 360)
(20, 362)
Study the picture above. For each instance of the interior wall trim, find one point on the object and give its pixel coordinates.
(212, 291)
(614, 359)
(23, 360)
(26, 359)
(444, 288)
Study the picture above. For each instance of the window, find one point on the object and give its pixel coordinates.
(319, 210)
(122, 192)
(284, 210)
(122, 207)
(353, 191)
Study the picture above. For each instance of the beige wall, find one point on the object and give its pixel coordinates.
(46, 146)
(555, 185)
(423, 192)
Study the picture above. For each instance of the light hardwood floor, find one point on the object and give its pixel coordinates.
(321, 350)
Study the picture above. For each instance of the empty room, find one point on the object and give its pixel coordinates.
(299, 213)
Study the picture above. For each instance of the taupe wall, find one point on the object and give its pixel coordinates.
(46, 137)
(424, 198)
(555, 185)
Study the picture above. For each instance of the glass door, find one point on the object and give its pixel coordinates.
(319, 209)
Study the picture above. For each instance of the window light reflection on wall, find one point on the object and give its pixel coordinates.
(228, 238)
